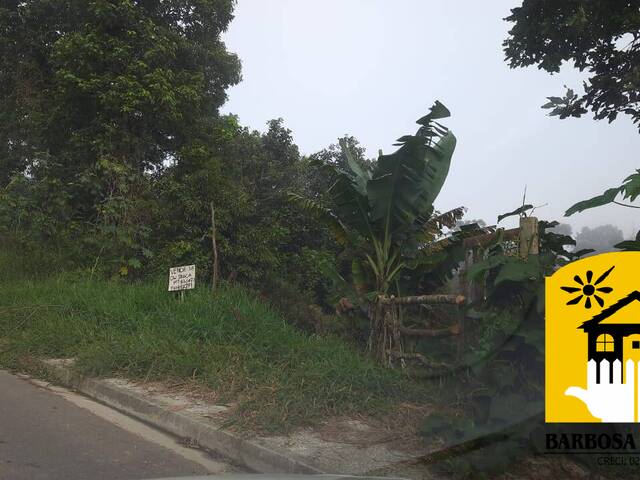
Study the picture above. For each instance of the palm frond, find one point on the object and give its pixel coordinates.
(432, 227)
(324, 215)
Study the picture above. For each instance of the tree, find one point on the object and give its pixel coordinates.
(262, 237)
(99, 96)
(600, 239)
(601, 37)
(562, 229)
(384, 214)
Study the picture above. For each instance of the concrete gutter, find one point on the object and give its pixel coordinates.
(241, 451)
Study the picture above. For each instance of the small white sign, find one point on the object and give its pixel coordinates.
(182, 278)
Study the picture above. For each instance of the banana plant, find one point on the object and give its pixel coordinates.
(384, 211)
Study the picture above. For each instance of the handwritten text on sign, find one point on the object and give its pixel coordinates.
(182, 278)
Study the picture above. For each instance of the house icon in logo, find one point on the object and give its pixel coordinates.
(614, 334)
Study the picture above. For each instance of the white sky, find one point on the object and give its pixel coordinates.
(370, 68)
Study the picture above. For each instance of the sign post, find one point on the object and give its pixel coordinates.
(181, 279)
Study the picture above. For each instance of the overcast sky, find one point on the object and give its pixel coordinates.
(370, 68)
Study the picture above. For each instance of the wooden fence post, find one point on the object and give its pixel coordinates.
(529, 240)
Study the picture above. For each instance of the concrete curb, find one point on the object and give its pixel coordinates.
(241, 451)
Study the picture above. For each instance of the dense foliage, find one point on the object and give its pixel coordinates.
(113, 148)
(599, 36)
(500, 386)
(97, 98)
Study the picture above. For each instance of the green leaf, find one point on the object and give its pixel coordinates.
(439, 161)
(406, 182)
(360, 175)
(584, 251)
(517, 270)
(518, 211)
(629, 246)
(437, 111)
(607, 197)
(632, 186)
(487, 264)
(134, 262)
(426, 260)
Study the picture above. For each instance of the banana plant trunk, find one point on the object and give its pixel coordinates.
(385, 342)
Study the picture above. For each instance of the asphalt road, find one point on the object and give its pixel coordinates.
(50, 433)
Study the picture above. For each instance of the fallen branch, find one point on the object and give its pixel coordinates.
(423, 332)
(424, 299)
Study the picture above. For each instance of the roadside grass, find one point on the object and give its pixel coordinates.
(276, 376)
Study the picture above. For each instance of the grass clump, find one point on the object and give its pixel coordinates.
(276, 376)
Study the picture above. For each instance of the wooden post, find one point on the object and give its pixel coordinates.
(214, 274)
(466, 285)
(529, 239)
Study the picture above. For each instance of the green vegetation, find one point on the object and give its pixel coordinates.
(502, 387)
(276, 376)
(112, 149)
(598, 36)
(382, 213)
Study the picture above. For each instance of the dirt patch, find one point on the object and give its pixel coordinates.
(399, 427)
(346, 445)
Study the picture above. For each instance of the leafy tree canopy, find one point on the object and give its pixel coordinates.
(601, 37)
(93, 89)
(601, 239)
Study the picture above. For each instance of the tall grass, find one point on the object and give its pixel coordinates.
(276, 376)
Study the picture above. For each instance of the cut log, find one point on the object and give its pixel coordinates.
(424, 299)
(423, 332)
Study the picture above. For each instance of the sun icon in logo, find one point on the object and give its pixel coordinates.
(588, 289)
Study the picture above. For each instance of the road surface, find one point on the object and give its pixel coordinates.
(49, 433)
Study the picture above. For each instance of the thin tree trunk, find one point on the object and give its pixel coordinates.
(214, 246)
